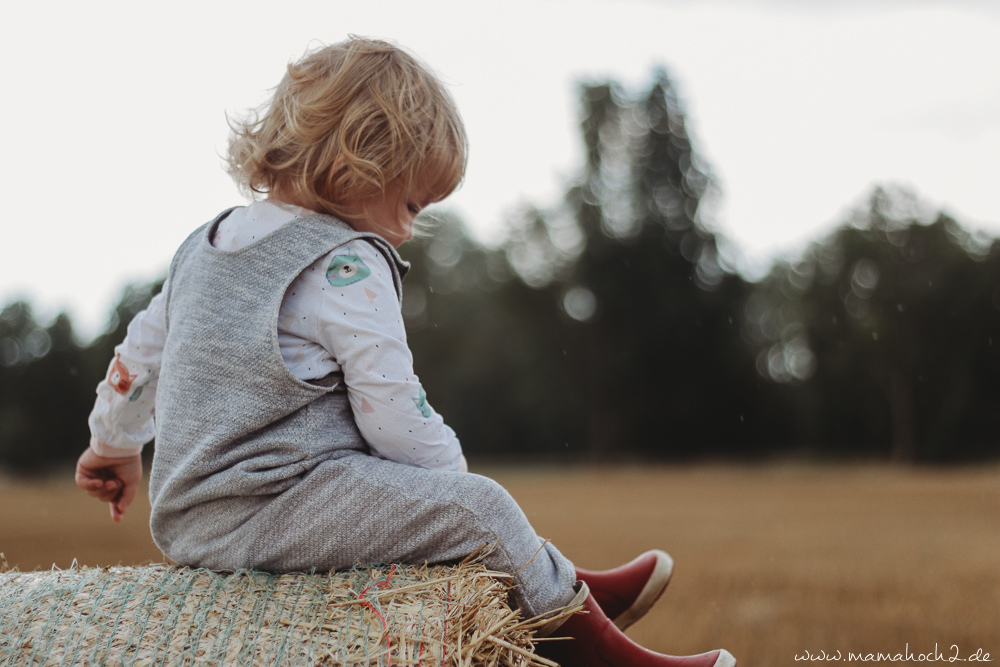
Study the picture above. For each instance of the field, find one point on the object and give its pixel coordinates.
(776, 563)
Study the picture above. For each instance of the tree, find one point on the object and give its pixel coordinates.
(47, 381)
(649, 302)
(44, 390)
(486, 347)
(888, 327)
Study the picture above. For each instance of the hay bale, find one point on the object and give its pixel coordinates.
(165, 615)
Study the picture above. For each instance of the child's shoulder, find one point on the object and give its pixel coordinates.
(354, 261)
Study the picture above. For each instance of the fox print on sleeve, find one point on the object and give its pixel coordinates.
(122, 419)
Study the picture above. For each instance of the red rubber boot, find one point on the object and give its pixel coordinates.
(592, 640)
(627, 592)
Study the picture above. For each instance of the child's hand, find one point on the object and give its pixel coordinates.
(115, 481)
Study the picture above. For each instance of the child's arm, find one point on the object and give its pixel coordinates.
(122, 419)
(359, 322)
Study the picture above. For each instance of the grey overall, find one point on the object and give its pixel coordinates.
(254, 468)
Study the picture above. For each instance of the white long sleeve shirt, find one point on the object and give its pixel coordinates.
(339, 315)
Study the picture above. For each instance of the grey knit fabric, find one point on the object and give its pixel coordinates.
(254, 468)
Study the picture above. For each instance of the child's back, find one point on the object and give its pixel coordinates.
(237, 429)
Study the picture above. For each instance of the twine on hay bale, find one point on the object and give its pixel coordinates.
(165, 615)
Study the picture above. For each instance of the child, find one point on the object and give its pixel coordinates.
(291, 431)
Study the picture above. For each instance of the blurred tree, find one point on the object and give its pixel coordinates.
(47, 381)
(888, 327)
(481, 344)
(614, 325)
(44, 390)
(648, 299)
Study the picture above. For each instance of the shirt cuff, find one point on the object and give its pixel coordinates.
(109, 452)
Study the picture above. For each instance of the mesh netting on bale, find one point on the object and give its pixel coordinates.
(164, 615)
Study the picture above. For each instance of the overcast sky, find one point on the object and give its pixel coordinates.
(114, 113)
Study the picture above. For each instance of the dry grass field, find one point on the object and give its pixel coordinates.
(771, 561)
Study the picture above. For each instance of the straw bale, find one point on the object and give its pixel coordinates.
(164, 615)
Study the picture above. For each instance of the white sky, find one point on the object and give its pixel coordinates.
(114, 112)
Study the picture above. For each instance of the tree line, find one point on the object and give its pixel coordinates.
(614, 325)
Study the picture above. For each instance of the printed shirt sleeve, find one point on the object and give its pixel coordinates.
(122, 419)
(360, 324)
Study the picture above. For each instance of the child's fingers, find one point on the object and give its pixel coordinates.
(111, 490)
(101, 489)
(98, 484)
(92, 478)
(86, 479)
(118, 507)
(128, 492)
(124, 499)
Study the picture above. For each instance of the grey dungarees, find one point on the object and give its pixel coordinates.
(254, 468)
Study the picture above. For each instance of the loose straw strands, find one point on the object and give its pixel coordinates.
(384, 616)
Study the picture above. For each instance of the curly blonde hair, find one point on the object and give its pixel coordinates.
(347, 123)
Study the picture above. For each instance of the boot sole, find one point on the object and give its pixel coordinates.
(651, 592)
(725, 659)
